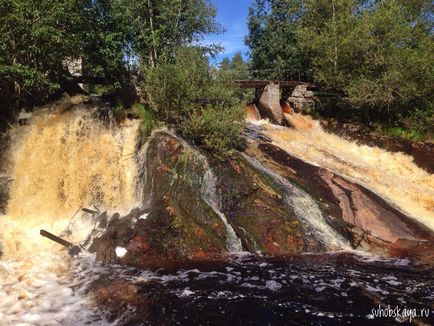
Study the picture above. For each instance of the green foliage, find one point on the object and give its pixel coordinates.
(275, 50)
(19, 78)
(378, 54)
(160, 27)
(204, 108)
(235, 69)
(404, 133)
(173, 86)
(105, 39)
(36, 37)
(148, 119)
(380, 57)
(39, 37)
(119, 112)
(216, 128)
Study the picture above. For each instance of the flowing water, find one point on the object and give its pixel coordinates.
(210, 195)
(393, 176)
(61, 161)
(305, 208)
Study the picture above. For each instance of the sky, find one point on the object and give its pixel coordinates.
(232, 15)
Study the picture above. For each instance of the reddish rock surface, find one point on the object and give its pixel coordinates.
(182, 227)
(369, 222)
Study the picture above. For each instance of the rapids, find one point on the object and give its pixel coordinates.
(65, 160)
(393, 176)
(61, 161)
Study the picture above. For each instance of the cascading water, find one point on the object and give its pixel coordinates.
(305, 208)
(393, 176)
(208, 189)
(61, 162)
(65, 160)
(210, 195)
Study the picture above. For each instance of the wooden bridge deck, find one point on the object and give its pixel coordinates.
(263, 83)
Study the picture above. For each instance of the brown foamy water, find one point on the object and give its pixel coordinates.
(393, 176)
(61, 161)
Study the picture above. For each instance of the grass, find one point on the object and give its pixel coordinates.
(149, 122)
(413, 134)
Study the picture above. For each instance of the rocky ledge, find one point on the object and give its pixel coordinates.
(196, 210)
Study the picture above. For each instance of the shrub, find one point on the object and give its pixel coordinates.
(216, 128)
(173, 86)
(183, 92)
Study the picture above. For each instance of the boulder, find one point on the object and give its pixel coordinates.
(362, 217)
(269, 104)
(182, 225)
(301, 99)
(192, 204)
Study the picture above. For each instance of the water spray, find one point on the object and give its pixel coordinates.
(73, 250)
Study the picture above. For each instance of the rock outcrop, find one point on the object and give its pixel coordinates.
(364, 218)
(195, 211)
(301, 99)
(264, 201)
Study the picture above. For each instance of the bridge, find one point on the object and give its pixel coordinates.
(282, 83)
(271, 103)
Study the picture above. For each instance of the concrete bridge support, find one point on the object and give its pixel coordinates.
(268, 98)
(269, 103)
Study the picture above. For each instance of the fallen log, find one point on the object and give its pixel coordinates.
(73, 250)
(89, 211)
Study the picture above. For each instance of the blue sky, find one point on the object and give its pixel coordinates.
(232, 15)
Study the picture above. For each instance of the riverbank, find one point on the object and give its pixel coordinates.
(421, 151)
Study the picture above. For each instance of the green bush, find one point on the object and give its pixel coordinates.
(183, 92)
(216, 128)
(173, 86)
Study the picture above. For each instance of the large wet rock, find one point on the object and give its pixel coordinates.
(181, 224)
(186, 201)
(269, 104)
(257, 208)
(365, 219)
(195, 208)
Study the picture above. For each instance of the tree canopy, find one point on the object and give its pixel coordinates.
(38, 38)
(379, 54)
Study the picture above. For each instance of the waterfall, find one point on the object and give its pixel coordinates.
(61, 161)
(210, 195)
(392, 176)
(305, 208)
(207, 185)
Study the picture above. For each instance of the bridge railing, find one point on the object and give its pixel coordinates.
(263, 83)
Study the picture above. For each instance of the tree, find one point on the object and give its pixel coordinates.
(162, 26)
(109, 36)
(274, 46)
(182, 91)
(235, 69)
(380, 53)
(36, 38)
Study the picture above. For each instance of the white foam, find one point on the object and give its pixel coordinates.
(120, 252)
